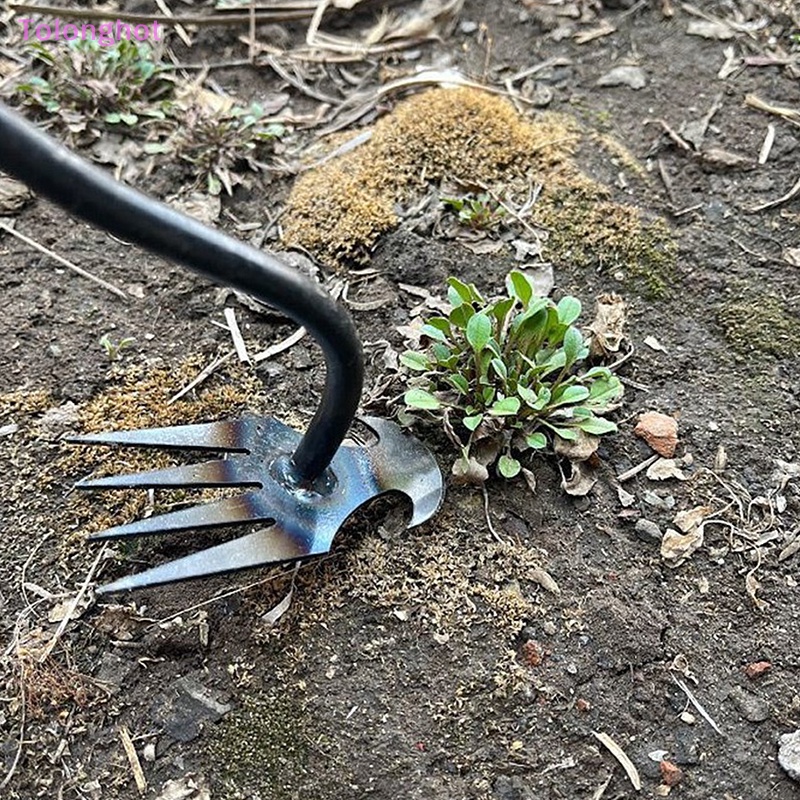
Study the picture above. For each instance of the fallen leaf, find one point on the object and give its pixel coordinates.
(469, 471)
(544, 579)
(120, 622)
(692, 518)
(717, 158)
(676, 548)
(792, 256)
(14, 196)
(579, 449)
(710, 29)
(581, 481)
(753, 587)
(608, 327)
(626, 499)
(659, 431)
(664, 469)
(530, 479)
(541, 276)
(276, 612)
(60, 610)
(483, 248)
(189, 787)
(525, 250)
(632, 77)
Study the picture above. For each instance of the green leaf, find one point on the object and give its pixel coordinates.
(506, 407)
(459, 383)
(528, 395)
(442, 323)
(470, 423)
(596, 425)
(508, 466)
(571, 394)
(519, 287)
(569, 309)
(500, 368)
(573, 345)
(433, 333)
(461, 315)
(536, 441)
(113, 118)
(459, 293)
(416, 361)
(565, 433)
(604, 391)
(479, 331)
(500, 310)
(419, 398)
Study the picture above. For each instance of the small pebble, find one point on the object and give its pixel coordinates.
(688, 718)
(468, 26)
(648, 531)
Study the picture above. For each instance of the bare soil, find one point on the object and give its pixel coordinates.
(431, 662)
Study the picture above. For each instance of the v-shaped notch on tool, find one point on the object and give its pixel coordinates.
(307, 484)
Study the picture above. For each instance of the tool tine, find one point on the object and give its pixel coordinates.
(227, 511)
(226, 435)
(209, 474)
(271, 545)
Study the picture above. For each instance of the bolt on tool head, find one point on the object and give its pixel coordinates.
(305, 485)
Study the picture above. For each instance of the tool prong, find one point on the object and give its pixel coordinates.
(227, 511)
(209, 474)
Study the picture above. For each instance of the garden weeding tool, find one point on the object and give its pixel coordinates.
(304, 485)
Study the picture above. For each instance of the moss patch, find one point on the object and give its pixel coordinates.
(258, 750)
(340, 209)
(760, 323)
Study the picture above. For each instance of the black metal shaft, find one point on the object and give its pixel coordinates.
(88, 192)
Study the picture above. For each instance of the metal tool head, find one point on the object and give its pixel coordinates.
(304, 517)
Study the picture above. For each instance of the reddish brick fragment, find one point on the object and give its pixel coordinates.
(671, 773)
(757, 669)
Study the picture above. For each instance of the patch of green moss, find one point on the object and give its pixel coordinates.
(590, 231)
(258, 750)
(760, 323)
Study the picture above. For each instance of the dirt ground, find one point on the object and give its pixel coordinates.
(438, 661)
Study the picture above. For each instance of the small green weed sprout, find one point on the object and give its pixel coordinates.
(85, 83)
(114, 349)
(477, 212)
(215, 143)
(506, 376)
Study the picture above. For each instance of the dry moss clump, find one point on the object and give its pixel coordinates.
(760, 323)
(339, 210)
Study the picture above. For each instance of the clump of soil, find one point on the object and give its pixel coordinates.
(340, 209)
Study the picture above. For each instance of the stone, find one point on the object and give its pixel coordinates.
(660, 431)
(648, 531)
(789, 754)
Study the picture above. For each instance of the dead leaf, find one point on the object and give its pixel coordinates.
(632, 77)
(14, 196)
(190, 787)
(692, 518)
(790, 549)
(530, 479)
(60, 610)
(607, 330)
(792, 256)
(753, 586)
(544, 579)
(659, 431)
(710, 29)
(525, 250)
(276, 612)
(541, 276)
(205, 208)
(431, 19)
(121, 622)
(676, 548)
(578, 449)
(717, 158)
(664, 469)
(581, 481)
(483, 248)
(469, 471)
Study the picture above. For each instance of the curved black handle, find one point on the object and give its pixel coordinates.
(89, 193)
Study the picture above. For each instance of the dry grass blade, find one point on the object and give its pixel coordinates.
(619, 754)
(133, 759)
(790, 195)
(285, 344)
(202, 375)
(696, 703)
(63, 261)
(789, 114)
(236, 335)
